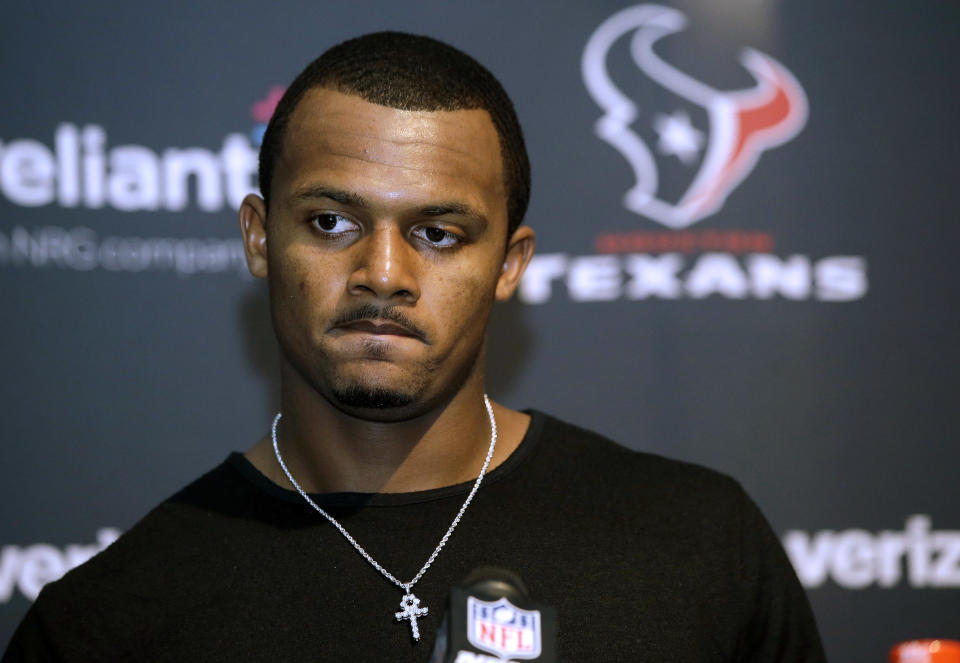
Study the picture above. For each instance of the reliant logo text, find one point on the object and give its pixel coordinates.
(81, 170)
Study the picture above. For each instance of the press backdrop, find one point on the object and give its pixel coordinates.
(746, 236)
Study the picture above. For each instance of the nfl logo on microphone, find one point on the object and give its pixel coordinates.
(503, 629)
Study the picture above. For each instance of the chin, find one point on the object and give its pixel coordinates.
(373, 398)
(385, 403)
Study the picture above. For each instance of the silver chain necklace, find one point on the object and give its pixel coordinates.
(409, 604)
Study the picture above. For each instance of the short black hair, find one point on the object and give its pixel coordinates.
(409, 72)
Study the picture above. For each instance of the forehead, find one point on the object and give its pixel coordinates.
(341, 140)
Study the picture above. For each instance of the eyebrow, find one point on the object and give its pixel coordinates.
(351, 199)
(459, 209)
(336, 195)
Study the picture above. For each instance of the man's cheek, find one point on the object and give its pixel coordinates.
(455, 296)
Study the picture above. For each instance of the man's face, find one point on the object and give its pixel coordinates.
(385, 248)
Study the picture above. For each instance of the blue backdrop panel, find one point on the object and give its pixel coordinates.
(744, 215)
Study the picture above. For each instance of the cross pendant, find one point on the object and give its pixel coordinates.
(410, 609)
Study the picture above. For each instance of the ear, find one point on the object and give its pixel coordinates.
(519, 251)
(253, 228)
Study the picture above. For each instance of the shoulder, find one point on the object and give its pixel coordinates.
(662, 526)
(103, 608)
(591, 459)
(680, 507)
(181, 533)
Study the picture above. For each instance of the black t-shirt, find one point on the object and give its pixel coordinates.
(645, 559)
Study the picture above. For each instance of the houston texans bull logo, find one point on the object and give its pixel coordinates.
(742, 123)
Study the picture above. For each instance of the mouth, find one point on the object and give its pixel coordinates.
(379, 328)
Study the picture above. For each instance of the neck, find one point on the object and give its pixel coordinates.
(327, 450)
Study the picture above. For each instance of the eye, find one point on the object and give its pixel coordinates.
(438, 236)
(333, 224)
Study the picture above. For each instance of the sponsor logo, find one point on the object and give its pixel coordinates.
(742, 124)
(80, 170)
(686, 158)
(29, 568)
(503, 629)
(856, 558)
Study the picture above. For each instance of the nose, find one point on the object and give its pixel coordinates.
(386, 266)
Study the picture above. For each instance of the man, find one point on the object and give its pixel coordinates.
(394, 181)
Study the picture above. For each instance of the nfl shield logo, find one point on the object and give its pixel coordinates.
(503, 629)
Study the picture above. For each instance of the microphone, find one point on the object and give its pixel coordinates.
(491, 619)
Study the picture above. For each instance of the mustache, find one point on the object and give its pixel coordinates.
(374, 313)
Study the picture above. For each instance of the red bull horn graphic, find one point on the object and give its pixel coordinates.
(741, 124)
